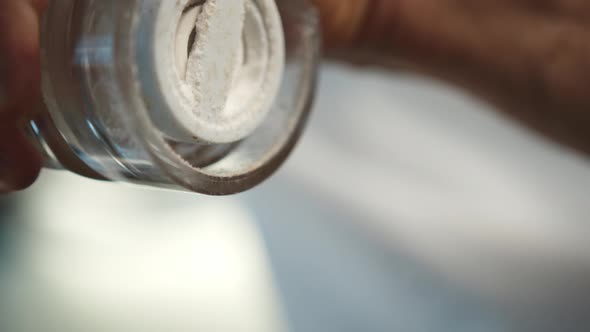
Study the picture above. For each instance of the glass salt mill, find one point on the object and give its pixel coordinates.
(204, 95)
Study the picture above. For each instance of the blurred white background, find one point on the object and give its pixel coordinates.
(407, 207)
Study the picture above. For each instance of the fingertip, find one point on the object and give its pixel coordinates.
(20, 163)
(12, 182)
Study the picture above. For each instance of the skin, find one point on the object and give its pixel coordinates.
(529, 57)
(19, 90)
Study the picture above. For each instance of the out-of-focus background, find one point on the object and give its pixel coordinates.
(407, 207)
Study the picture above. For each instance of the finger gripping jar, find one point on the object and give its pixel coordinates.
(205, 95)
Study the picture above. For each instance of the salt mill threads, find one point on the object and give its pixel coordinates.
(205, 95)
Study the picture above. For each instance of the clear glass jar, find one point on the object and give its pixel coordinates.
(107, 100)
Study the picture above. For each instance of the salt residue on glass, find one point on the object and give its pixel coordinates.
(229, 60)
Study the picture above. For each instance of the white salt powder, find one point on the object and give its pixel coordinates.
(229, 60)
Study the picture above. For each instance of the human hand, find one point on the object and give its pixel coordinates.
(529, 57)
(19, 90)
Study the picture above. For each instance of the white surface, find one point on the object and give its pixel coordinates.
(112, 264)
(439, 175)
